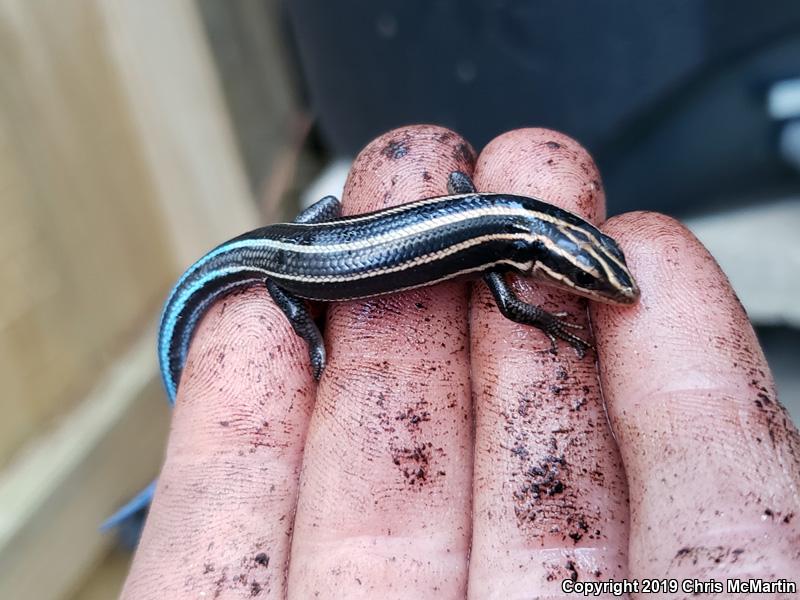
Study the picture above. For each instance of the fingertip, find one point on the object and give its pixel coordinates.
(545, 164)
(405, 164)
(402, 165)
(685, 298)
(550, 166)
(652, 230)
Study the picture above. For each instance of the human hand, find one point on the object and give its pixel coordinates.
(447, 451)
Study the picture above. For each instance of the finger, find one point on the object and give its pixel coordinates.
(384, 505)
(221, 520)
(712, 459)
(549, 491)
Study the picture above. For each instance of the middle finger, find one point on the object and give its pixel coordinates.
(384, 506)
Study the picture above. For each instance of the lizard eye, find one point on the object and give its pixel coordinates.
(583, 278)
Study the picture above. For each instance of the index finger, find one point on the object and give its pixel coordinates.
(549, 493)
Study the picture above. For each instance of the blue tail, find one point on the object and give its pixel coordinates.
(130, 518)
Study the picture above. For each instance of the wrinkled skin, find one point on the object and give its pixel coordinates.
(447, 453)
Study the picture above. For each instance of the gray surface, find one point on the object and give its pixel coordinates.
(758, 247)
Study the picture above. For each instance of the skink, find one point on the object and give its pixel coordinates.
(323, 256)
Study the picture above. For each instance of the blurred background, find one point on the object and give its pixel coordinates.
(136, 135)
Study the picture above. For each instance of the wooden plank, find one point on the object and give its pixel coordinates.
(107, 579)
(118, 168)
(55, 493)
(246, 39)
(163, 58)
(83, 253)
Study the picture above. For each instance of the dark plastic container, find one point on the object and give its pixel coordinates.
(669, 96)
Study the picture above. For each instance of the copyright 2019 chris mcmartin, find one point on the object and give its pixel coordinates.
(672, 586)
